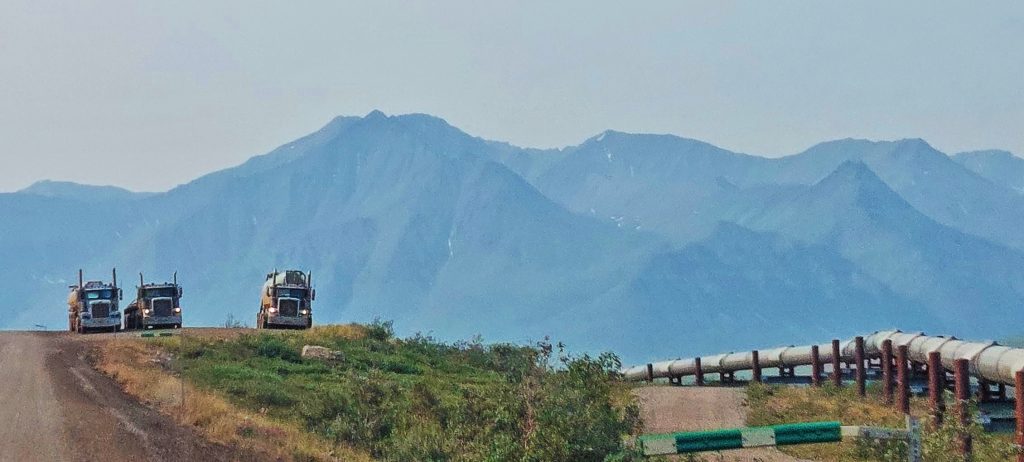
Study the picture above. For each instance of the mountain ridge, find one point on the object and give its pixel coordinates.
(409, 218)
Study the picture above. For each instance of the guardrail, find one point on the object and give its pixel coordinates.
(776, 435)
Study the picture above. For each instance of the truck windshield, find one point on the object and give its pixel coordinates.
(103, 294)
(160, 292)
(291, 293)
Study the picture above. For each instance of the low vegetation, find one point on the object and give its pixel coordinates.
(384, 398)
(770, 405)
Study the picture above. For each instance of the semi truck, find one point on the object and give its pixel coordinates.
(156, 305)
(92, 306)
(286, 301)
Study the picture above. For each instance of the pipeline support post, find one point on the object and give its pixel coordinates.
(961, 387)
(698, 372)
(650, 372)
(858, 359)
(1018, 413)
(903, 379)
(887, 371)
(815, 366)
(756, 366)
(837, 372)
(936, 388)
(984, 391)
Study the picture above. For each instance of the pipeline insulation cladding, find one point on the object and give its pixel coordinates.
(988, 360)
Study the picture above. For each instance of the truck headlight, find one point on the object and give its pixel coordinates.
(145, 311)
(177, 310)
(272, 310)
(304, 311)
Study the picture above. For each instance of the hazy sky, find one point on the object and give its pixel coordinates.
(148, 95)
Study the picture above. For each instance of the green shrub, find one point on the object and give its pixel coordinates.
(380, 330)
(421, 399)
(269, 346)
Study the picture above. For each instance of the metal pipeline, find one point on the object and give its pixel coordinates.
(988, 360)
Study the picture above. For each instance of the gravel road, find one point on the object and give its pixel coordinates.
(673, 409)
(55, 407)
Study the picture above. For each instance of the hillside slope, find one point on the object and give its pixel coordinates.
(1000, 167)
(858, 215)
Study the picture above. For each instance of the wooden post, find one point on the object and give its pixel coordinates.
(837, 372)
(650, 372)
(936, 388)
(698, 373)
(815, 366)
(858, 359)
(1018, 413)
(887, 371)
(903, 379)
(756, 369)
(984, 391)
(961, 387)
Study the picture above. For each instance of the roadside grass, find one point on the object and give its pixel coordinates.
(146, 372)
(771, 405)
(384, 398)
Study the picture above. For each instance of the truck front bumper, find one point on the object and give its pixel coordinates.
(101, 323)
(152, 321)
(291, 321)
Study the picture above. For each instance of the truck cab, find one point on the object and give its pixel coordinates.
(156, 305)
(93, 306)
(286, 301)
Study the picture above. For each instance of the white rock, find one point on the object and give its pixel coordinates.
(319, 352)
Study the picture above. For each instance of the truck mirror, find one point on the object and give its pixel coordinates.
(120, 294)
(180, 292)
(313, 295)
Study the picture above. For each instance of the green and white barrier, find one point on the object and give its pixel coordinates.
(777, 435)
(738, 438)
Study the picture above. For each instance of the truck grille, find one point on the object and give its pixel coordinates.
(162, 307)
(100, 309)
(288, 307)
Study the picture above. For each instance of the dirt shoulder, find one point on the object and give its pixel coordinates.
(666, 409)
(57, 407)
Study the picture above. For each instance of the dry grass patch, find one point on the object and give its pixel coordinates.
(147, 373)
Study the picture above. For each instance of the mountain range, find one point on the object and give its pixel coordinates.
(647, 245)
